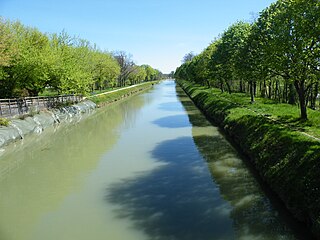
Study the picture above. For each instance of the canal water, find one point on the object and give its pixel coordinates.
(147, 168)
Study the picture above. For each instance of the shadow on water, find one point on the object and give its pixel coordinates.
(256, 212)
(38, 173)
(175, 201)
(176, 121)
(201, 190)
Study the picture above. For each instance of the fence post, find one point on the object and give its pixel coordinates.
(26, 105)
(10, 107)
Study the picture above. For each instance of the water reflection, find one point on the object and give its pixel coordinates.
(171, 106)
(176, 121)
(201, 190)
(175, 201)
(253, 215)
(38, 173)
(134, 171)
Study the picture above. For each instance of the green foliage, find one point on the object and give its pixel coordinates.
(286, 158)
(32, 62)
(4, 122)
(151, 73)
(138, 75)
(280, 52)
(117, 95)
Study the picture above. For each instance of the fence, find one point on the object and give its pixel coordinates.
(20, 106)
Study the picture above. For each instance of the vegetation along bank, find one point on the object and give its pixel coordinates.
(16, 129)
(116, 95)
(287, 160)
(260, 83)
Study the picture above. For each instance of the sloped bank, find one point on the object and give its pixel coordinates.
(19, 128)
(110, 97)
(287, 161)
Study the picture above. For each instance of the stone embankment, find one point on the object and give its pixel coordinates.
(18, 128)
(21, 127)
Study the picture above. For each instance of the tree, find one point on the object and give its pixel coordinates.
(292, 30)
(188, 57)
(150, 72)
(8, 54)
(227, 54)
(30, 71)
(7, 48)
(105, 69)
(138, 75)
(127, 66)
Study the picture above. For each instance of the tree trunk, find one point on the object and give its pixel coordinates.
(314, 94)
(292, 99)
(277, 92)
(208, 83)
(264, 89)
(221, 86)
(251, 91)
(270, 90)
(299, 85)
(285, 92)
(228, 87)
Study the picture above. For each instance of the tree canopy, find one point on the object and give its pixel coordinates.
(279, 52)
(31, 62)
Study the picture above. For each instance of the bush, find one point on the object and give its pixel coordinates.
(4, 122)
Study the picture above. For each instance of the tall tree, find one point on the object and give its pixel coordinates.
(127, 66)
(292, 30)
(188, 57)
(8, 54)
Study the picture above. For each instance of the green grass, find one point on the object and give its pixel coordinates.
(286, 114)
(272, 136)
(114, 96)
(104, 90)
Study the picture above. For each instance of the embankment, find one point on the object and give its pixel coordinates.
(288, 161)
(110, 97)
(18, 128)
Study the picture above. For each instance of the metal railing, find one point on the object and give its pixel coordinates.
(20, 106)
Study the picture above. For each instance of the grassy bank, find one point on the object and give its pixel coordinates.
(109, 97)
(287, 158)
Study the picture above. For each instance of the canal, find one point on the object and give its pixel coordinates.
(148, 168)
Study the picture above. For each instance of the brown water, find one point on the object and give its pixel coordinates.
(150, 167)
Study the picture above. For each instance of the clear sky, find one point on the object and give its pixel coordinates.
(155, 32)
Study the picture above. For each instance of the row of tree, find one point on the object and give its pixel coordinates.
(31, 61)
(278, 56)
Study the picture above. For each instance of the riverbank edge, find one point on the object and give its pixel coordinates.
(287, 161)
(17, 129)
(107, 98)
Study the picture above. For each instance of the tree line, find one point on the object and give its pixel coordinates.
(277, 56)
(31, 62)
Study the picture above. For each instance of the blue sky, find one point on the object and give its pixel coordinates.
(155, 32)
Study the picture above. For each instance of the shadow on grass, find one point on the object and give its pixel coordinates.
(294, 123)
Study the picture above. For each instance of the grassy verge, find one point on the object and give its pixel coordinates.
(285, 114)
(287, 160)
(109, 97)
